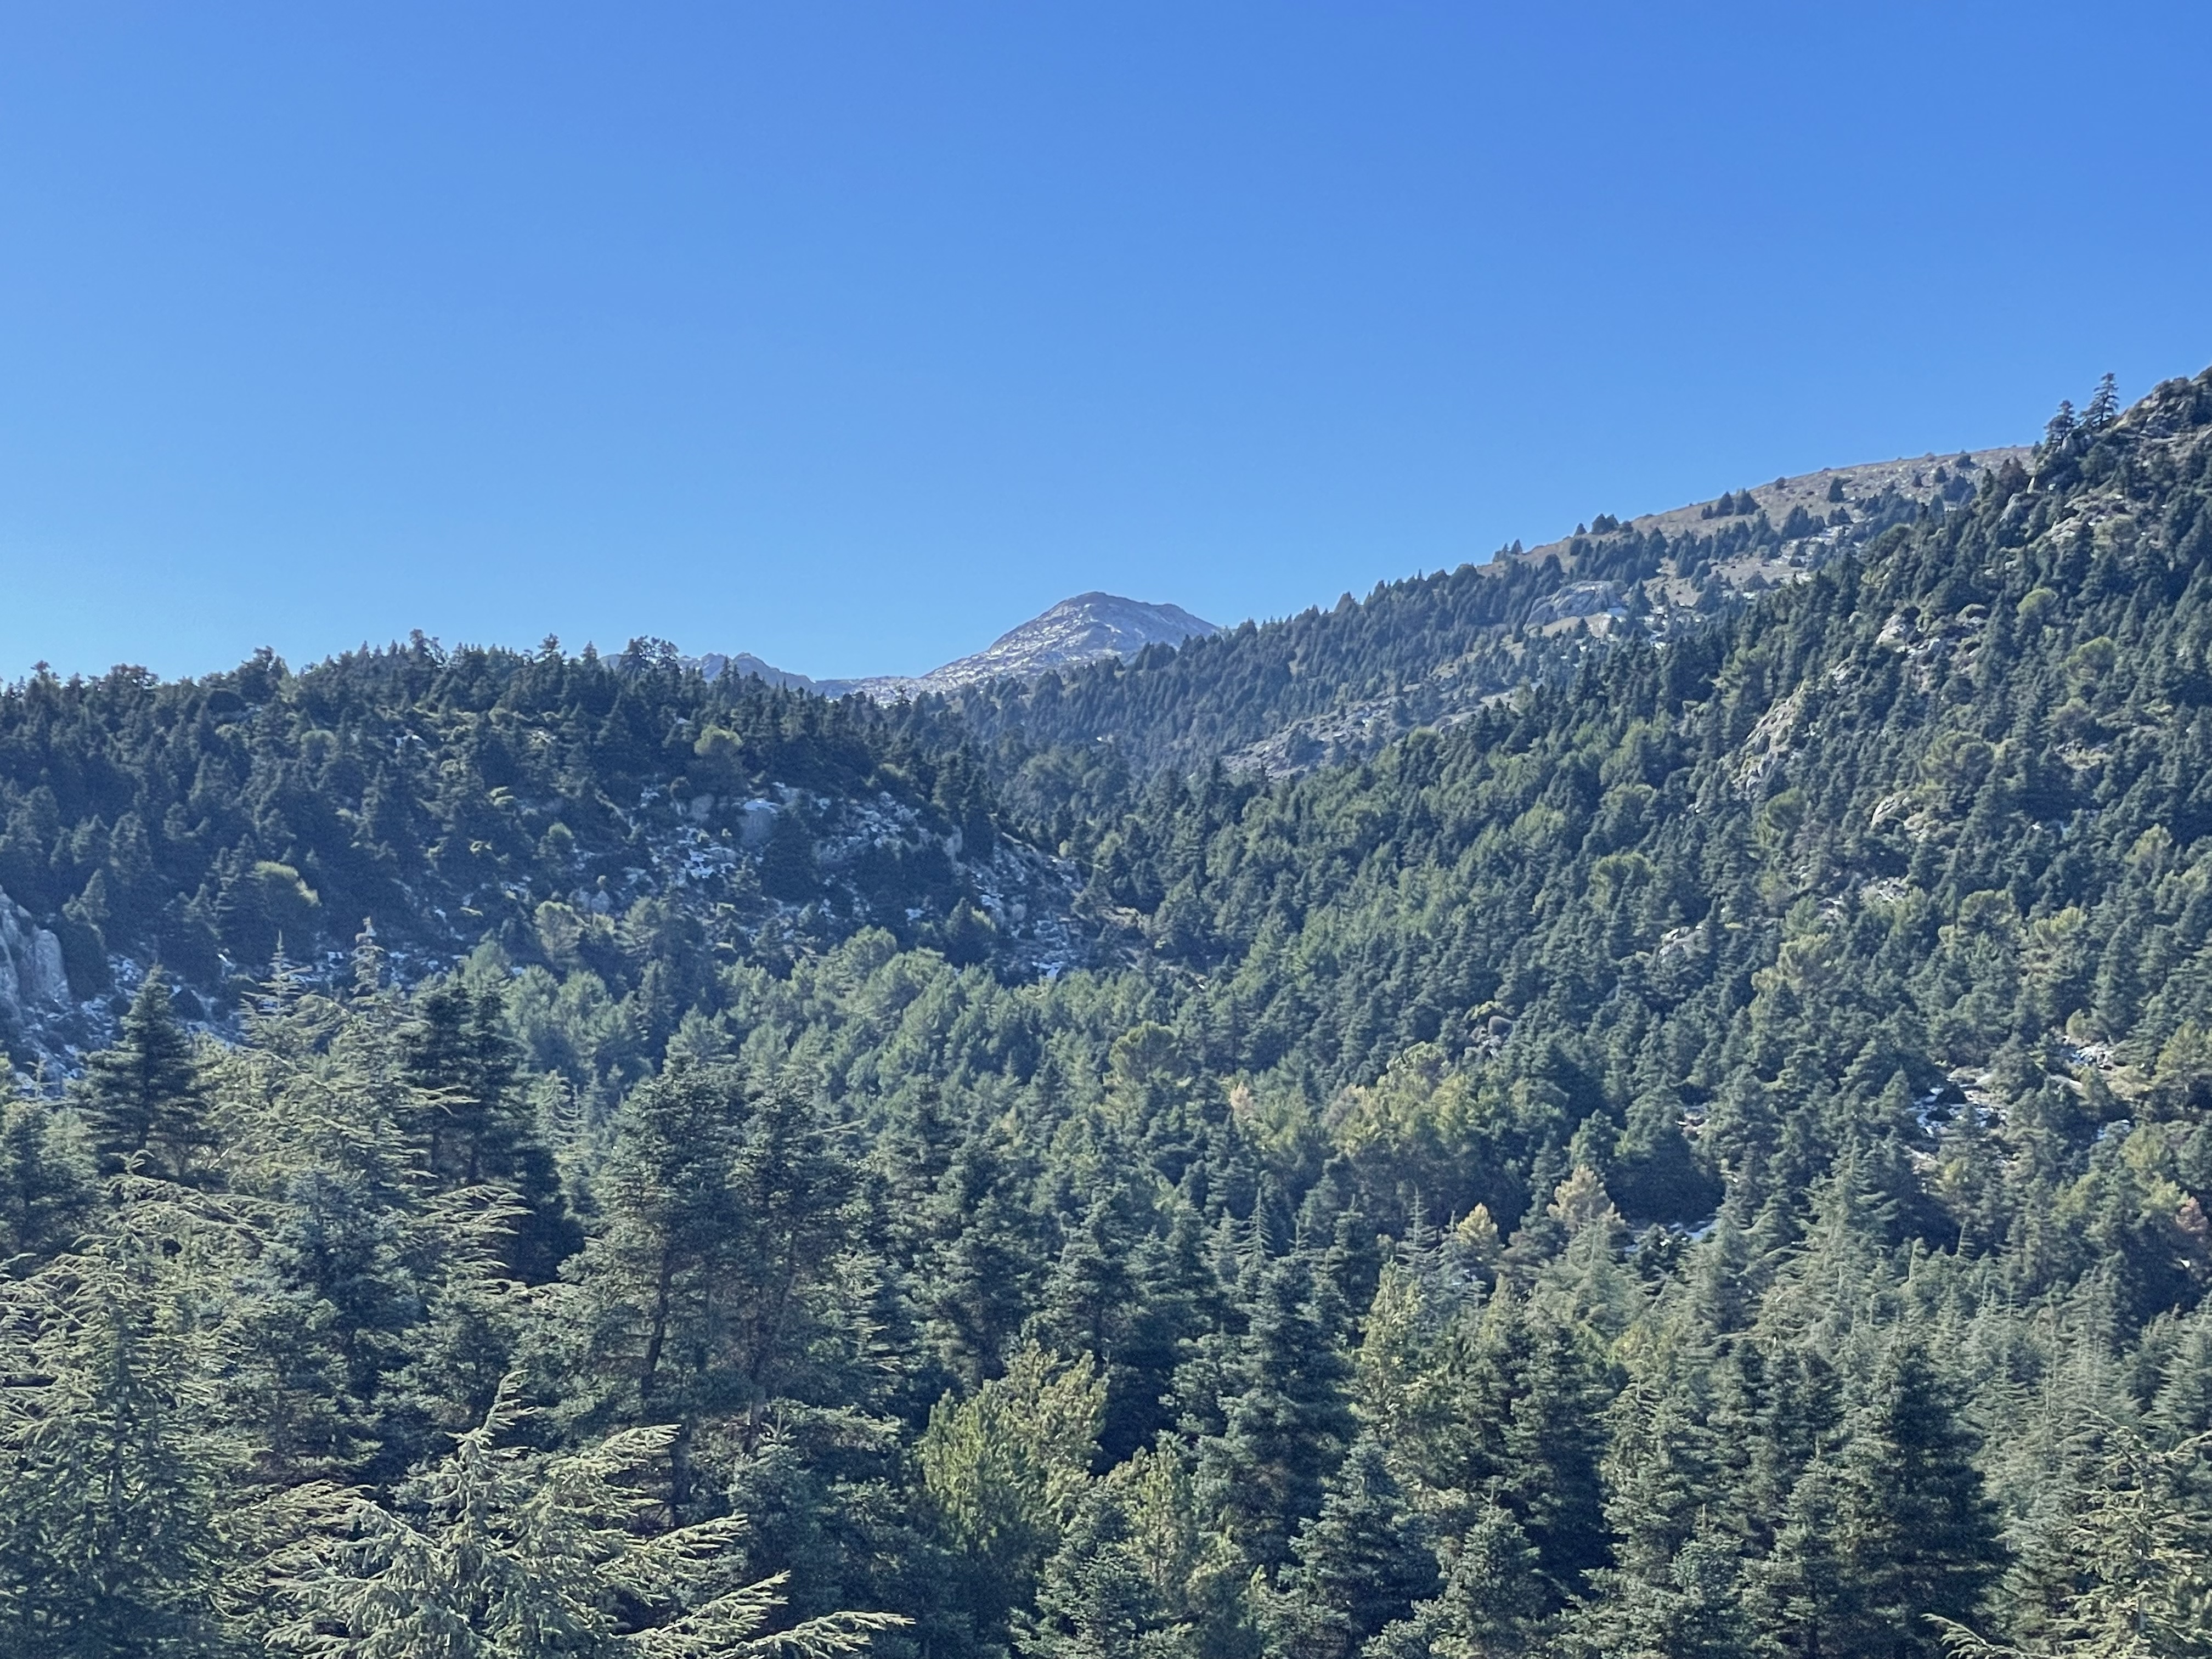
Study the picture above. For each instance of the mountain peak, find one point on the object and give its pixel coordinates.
(1082, 630)
(1078, 630)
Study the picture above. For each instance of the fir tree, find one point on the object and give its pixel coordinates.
(1361, 1564)
(476, 1127)
(1289, 1425)
(1493, 1600)
(649, 1281)
(1006, 1470)
(143, 1097)
(510, 1554)
(112, 1469)
(1919, 1537)
(47, 1189)
(1137, 1572)
(2104, 408)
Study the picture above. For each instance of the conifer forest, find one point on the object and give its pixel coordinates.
(1701, 1151)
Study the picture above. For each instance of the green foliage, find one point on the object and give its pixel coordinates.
(111, 1456)
(498, 1551)
(1006, 1469)
(1708, 1155)
(1361, 1565)
(1136, 1571)
(1287, 1427)
(205, 824)
(142, 1097)
(46, 1181)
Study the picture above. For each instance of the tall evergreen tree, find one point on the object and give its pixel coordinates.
(511, 1554)
(650, 1281)
(475, 1124)
(462, 1065)
(47, 1189)
(112, 1468)
(1919, 1535)
(143, 1097)
(1289, 1423)
(1138, 1572)
(1494, 1598)
(1006, 1470)
(1361, 1564)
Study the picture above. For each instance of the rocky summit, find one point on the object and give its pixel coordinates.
(1087, 629)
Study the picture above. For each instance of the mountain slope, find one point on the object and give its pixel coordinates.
(2019, 686)
(1075, 632)
(1286, 695)
(1708, 1155)
(545, 803)
(1909, 865)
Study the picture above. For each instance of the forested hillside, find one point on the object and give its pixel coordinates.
(1328, 686)
(618, 812)
(1707, 1155)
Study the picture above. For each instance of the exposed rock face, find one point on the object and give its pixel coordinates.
(1576, 599)
(1075, 631)
(32, 979)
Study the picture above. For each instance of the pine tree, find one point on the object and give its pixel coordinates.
(475, 1124)
(1693, 1608)
(112, 1469)
(471, 1328)
(1554, 1439)
(2059, 431)
(792, 1182)
(2122, 1567)
(143, 1097)
(704, 1293)
(1494, 1598)
(1802, 1596)
(1089, 1295)
(2103, 407)
(1663, 1468)
(500, 1552)
(2182, 1408)
(649, 1282)
(1180, 1299)
(1136, 1572)
(1125, 1294)
(47, 1189)
(1006, 1470)
(320, 1323)
(1361, 1564)
(462, 1067)
(1919, 1537)
(1289, 1425)
(978, 1280)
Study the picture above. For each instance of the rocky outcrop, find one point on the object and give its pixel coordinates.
(1576, 599)
(1075, 631)
(1083, 629)
(32, 978)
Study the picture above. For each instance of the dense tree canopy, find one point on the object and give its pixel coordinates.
(1708, 1156)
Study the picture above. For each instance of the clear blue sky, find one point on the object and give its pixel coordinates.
(851, 334)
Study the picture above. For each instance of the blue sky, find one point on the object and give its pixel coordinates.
(851, 334)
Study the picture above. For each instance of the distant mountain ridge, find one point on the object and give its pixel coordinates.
(745, 665)
(1286, 695)
(1766, 1053)
(1087, 629)
(1283, 696)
